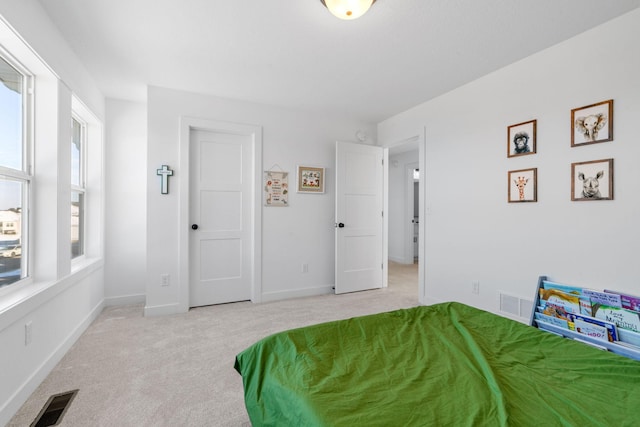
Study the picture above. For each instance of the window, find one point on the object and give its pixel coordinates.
(15, 178)
(77, 187)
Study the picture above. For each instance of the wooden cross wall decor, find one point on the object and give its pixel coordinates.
(164, 173)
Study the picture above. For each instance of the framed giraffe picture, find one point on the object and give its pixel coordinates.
(523, 185)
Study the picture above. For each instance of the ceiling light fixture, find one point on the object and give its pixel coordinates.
(348, 9)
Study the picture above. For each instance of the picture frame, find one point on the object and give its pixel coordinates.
(522, 185)
(592, 124)
(276, 188)
(592, 180)
(521, 139)
(310, 179)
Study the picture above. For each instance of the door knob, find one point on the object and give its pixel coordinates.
(194, 226)
(341, 225)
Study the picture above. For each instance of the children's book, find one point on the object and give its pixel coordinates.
(630, 302)
(610, 328)
(568, 294)
(603, 298)
(570, 303)
(592, 330)
(552, 320)
(575, 290)
(623, 318)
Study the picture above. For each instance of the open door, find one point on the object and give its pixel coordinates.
(359, 217)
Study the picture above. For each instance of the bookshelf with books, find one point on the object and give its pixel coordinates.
(607, 319)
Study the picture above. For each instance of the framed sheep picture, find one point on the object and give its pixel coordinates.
(592, 124)
(521, 139)
(592, 180)
(523, 185)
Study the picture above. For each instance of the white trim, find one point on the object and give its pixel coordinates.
(15, 402)
(163, 310)
(299, 293)
(134, 299)
(25, 299)
(255, 131)
(408, 252)
(421, 140)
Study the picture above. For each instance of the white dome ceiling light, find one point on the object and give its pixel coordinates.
(348, 9)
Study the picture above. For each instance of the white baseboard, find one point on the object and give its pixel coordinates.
(298, 293)
(162, 310)
(399, 260)
(125, 300)
(16, 401)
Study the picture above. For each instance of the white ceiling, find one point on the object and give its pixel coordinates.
(294, 53)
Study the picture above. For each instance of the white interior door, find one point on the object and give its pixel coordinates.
(359, 221)
(220, 213)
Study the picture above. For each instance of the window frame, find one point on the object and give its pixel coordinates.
(26, 174)
(81, 187)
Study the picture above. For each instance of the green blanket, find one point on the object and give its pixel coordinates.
(442, 365)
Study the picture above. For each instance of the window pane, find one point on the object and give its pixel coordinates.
(77, 224)
(76, 146)
(10, 116)
(11, 220)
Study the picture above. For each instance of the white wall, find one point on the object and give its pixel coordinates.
(126, 204)
(302, 233)
(397, 216)
(472, 233)
(62, 297)
(32, 23)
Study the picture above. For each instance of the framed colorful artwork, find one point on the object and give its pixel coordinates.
(310, 179)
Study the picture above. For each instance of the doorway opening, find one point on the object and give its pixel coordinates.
(404, 216)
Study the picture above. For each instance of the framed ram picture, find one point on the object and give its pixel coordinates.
(523, 185)
(521, 139)
(592, 180)
(592, 124)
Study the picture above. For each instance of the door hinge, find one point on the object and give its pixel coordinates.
(382, 266)
(382, 214)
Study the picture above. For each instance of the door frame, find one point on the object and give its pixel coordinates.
(420, 138)
(408, 254)
(255, 132)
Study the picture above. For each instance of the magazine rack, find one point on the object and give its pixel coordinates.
(626, 350)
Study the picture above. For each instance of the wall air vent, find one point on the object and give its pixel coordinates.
(515, 306)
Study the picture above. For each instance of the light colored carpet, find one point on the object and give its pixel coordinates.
(178, 370)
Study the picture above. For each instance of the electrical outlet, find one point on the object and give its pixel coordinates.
(164, 280)
(475, 287)
(28, 333)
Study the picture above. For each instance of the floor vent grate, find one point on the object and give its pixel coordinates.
(55, 408)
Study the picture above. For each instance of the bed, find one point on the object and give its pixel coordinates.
(443, 365)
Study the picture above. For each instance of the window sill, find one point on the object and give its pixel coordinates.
(25, 298)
